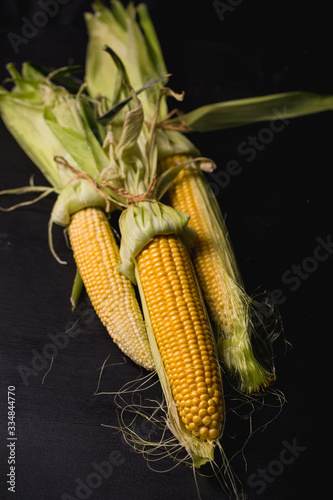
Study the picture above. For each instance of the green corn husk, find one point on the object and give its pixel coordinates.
(117, 28)
(138, 48)
(130, 33)
(132, 169)
(22, 111)
(241, 112)
(48, 122)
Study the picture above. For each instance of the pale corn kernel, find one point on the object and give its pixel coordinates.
(181, 330)
(112, 295)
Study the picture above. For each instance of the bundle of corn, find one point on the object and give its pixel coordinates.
(57, 131)
(131, 157)
(91, 180)
(231, 309)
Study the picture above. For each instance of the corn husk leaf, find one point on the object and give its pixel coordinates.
(60, 76)
(240, 112)
(117, 28)
(62, 73)
(128, 149)
(83, 147)
(139, 223)
(107, 117)
(136, 45)
(76, 289)
(75, 196)
(133, 164)
(22, 111)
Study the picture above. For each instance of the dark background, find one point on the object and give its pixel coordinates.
(276, 208)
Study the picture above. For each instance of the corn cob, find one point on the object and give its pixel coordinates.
(112, 295)
(219, 280)
(203, 253)
(40, 114)
(182, 331)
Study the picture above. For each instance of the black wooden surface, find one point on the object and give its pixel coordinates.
(278, 209)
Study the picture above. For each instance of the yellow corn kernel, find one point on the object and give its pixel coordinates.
(112, 295)
(203, 254)
(183, 334)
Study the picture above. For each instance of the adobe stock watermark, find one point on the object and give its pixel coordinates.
(100, 471)
(249, 149)
(31, 27)
(298, 273)
(40, 360)
(226, 7)
(261, 478)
